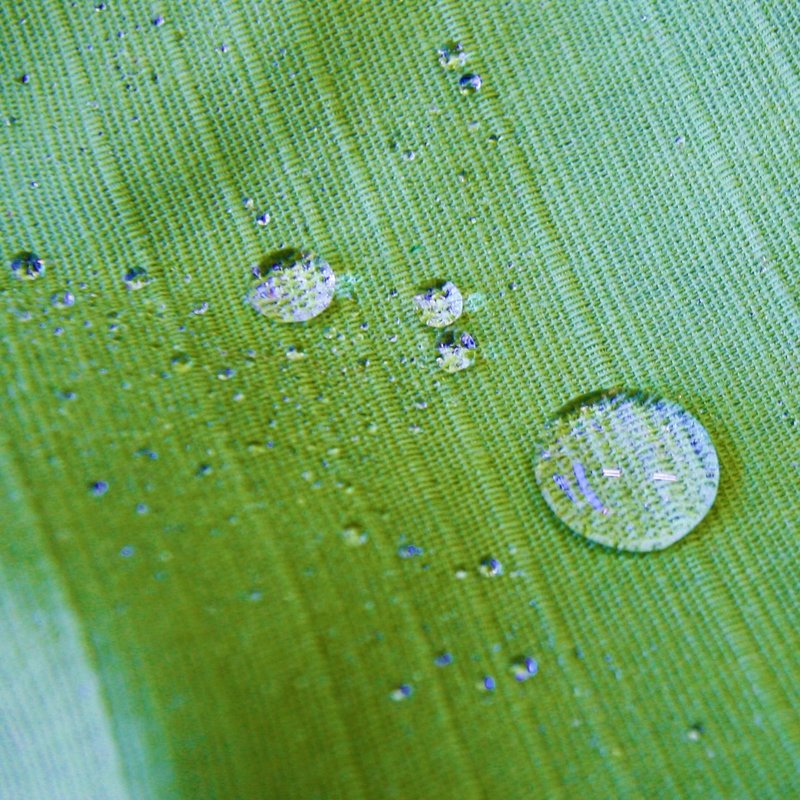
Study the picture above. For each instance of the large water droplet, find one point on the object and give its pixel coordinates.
(294, 291)
(441, 306)
(628, 470)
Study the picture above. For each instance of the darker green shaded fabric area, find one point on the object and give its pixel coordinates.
(617, 206)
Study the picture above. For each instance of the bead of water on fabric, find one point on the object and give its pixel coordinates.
(402, 692)
(98, 488)
(627, 470)
(136, 278)
(524, 667)
(294, 290)
(440, 306)
(27, 266)
(470, 83)
(452, 56)
(353, 535)
(490, 568)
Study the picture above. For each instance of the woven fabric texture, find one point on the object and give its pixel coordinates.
(202, 592)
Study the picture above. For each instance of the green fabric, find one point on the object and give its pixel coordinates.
(635, 224)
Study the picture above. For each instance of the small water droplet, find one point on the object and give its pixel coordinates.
(136, 278)
(524, 667)
(354, 535)
(695, 732)
(409, 155)
(226, 374)
(456, 355)
(409, 551)
(27, 266)
(628, 470)
(470, 83)
(487, 684)
(98, 488)
(679, 141)
(127, 551)
(264, 219)
(443, 659)
(490, 568)
(452, 55)
(440, 306)
(203, 470)
(294, 291)
(181, 362)
(293, 354)
(63, 300)
(158, 21)
(402, 692)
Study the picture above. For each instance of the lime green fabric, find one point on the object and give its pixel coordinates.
(618, 203)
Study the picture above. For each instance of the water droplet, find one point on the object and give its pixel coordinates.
(402, 692)
(470, 83)
(158, 21)
(409, 551)
(226, 374)
(455, 356)
(452, 56)
(440, 306)
(628, 470)
(490, 568)
(127, 551)
(27, 266)
(443, 659)
(354, 536)
(203, 470)
(181, 362)
(264, 219)
(136, 278)
(524, 667)
(63, 300)
(98, 488)
(695, 732)
(487, 684)
(294, 291)
(409, 155)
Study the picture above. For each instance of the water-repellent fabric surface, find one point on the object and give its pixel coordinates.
(244, 558)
